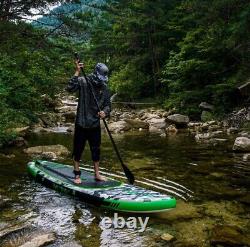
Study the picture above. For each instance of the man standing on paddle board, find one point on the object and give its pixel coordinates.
(87, 124)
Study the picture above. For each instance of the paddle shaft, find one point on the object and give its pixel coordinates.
(127, 172)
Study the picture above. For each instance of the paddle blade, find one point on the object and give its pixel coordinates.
(129, 174)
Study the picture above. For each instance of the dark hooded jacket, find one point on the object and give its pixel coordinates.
(87, 111)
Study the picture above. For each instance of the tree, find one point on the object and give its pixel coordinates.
(212, 57)
(16, 10)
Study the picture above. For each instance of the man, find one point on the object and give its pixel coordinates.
(87, 124)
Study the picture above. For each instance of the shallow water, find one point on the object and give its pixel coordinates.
(208, 181)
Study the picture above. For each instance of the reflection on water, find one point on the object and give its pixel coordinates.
(203, 178)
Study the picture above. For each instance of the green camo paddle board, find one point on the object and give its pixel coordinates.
(110, 194)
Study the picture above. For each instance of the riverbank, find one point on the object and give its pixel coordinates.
(151, 120)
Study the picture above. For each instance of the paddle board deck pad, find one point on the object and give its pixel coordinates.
(110, 194)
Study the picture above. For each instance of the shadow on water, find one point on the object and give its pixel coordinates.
(210, 183)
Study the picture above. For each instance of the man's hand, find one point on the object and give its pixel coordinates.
(102, 114)
(78, 68)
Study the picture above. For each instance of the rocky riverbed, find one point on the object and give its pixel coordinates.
(151, 120)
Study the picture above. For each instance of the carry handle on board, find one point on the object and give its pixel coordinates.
(127, 172)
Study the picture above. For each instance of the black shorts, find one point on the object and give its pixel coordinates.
(93, 136)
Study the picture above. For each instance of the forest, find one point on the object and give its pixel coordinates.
(175, 53)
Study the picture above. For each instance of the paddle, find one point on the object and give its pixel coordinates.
(127, 172)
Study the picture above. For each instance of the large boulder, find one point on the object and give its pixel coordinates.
(242, 144)
(119, 126)
(137, 124)
(178, 119)
(158, 123)
(58, 150)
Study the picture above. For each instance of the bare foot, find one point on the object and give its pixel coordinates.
(77, 180)
(100, 178)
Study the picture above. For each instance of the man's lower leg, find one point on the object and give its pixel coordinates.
(97, 173)
(77, 179)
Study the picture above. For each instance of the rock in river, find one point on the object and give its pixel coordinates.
(58, 150)
(18, 142)
(40, 240)
(137, 124)
(119, 126)
(242, 144)
(158, 123)
(167, 237)
(178, 119)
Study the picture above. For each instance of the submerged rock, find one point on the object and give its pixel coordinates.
(58, 150)
(228, 236)
(6, 231)
(192, 233)
(40, 240)
(183, 211)
(8, 156)
(242, 144)
(167, 237)
(24, 236)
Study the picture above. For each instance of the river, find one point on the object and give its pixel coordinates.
(210, 182)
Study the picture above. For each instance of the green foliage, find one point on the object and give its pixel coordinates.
(127, 81)
(26, 73)
(211, 57)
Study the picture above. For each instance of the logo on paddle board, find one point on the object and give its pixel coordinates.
(120, 222)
